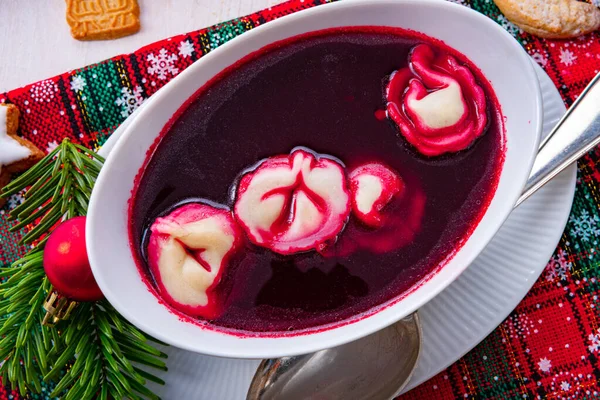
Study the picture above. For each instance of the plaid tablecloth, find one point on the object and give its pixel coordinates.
(547, 348)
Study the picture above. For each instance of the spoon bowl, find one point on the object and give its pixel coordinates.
(375, 367)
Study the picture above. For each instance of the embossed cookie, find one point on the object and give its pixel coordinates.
(16, 153)
(102, 19)
(552, 18)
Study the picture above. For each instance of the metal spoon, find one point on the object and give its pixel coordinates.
(374, 367)
(574, 135)
(379, 366)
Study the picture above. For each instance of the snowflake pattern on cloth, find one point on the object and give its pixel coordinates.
(544, 364)
(558, 266)
(186, 48)
(77, 83)
(567, 57)
(585, 226)
(130, 100)
(162, 64)
(594, 339)
(567, 385)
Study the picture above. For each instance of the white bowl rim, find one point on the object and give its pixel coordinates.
(293, 345)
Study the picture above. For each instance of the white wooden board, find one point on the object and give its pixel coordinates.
(35, 42)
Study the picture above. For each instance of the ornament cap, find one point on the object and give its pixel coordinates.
(58, 308)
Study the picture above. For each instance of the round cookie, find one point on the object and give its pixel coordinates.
(552, 18)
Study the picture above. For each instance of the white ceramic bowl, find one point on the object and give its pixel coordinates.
(494, 51)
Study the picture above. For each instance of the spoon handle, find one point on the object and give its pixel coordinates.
(575, 134)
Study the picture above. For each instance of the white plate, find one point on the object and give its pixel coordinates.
(453, 322)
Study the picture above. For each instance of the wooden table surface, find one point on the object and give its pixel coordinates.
(35, 42)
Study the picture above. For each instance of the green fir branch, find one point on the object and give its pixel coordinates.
(25, 343)
(92, 354)
(104, 347)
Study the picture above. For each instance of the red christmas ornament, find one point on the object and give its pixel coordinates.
(66, 262)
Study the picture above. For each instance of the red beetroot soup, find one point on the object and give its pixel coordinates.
(323, 97)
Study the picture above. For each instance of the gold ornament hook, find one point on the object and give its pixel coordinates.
(58, 308)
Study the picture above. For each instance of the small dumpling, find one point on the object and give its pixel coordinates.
(293, 203)
(187, 253)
